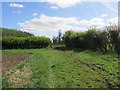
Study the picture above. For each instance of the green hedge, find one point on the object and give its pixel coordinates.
(93, 39)
(25, 42)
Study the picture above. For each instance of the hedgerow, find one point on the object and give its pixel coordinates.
(25, 42)
(93, 39)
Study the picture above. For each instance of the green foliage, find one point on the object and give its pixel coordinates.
(69, 37)
(93, 39)
(83, 40)
(14, 39)
(25, 42)
(114, 38)
(66, 69)
(90, 39)
(14, 33)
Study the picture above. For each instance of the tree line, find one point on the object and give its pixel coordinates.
(14, 33)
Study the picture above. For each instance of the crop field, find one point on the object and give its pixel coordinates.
(59, 68)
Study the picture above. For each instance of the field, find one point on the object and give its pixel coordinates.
(59, 68)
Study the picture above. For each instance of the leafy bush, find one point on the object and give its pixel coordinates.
(69, 38)
(85, 40)
(25, 42)
(114, 38)
(106, 41)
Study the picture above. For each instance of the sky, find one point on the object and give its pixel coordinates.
(47, 17)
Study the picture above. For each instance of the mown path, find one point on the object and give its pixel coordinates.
(56, 68)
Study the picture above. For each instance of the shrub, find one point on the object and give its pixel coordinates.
(106, 41)
(114, 38)
(25, 42)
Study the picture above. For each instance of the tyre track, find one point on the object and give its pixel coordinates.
(106, 81)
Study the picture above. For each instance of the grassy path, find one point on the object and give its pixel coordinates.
(48, 68)
(52, 83)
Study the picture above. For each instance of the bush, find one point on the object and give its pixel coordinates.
(25, 42)
(69, 38)
(114, 38)
(93, 39)
(85, 40)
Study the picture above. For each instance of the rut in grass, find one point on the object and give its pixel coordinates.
(94, 68)
(65, 69)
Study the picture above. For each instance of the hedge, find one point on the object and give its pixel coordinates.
(93, 39)
(25, 42)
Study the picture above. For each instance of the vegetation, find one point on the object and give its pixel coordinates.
(25, 42)
(93, 39)
(14, 33)
(48, 68)
(78, 65)
(14, 39)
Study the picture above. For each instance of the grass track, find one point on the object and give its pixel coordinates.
(66, 69)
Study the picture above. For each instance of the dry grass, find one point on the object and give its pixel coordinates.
(21, 77)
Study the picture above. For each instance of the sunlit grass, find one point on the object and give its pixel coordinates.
(67, 69)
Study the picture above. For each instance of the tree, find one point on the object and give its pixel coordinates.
(59, 36)
(55, 40)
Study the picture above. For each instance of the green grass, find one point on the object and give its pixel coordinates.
(66, 69)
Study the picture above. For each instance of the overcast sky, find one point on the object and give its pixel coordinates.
(46, 17)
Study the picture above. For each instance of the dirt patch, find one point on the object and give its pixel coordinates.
(60, 48)
(30, 53)
(21, 77)
(11, 60)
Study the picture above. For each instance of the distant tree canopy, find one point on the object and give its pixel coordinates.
(14, 33)
(55, 40)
